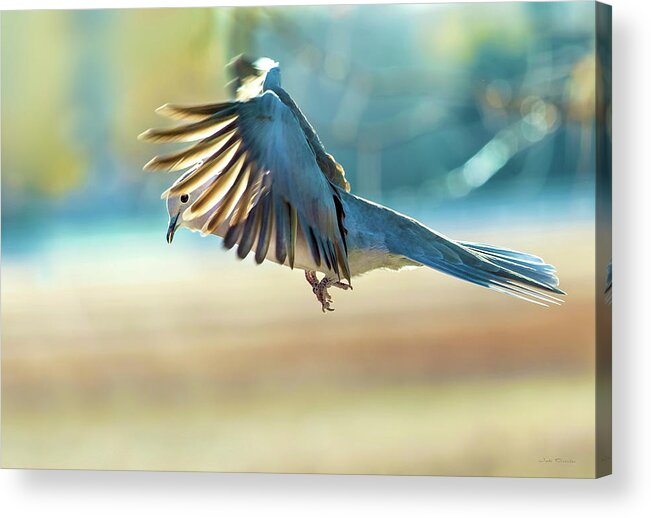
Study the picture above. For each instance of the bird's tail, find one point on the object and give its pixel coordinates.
(524, 264)
(518, 274)
(514, 273)
(511, 272)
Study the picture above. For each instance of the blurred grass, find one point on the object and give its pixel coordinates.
(219, 365)
(485, 427)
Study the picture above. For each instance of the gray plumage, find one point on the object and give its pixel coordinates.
(259, 177)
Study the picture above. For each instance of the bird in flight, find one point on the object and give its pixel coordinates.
(259, 177)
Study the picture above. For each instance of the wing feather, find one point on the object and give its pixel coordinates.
(188, 132)
(282, 231)
(253, 187)
(233, 235)
(227, 204)
(188, 157)
(254, 169)
(192, 113)
(249, 233)
(293, 228)
(265, 230)
(312, 243)
(207, 170)
(215, 192)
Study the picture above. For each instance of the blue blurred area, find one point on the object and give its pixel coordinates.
(456, 114)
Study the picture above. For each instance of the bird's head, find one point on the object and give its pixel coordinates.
(176, 205)
(251, 77)
(271, 71)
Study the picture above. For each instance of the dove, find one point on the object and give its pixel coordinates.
(257, 175)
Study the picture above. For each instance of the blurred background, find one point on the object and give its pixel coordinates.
(121, 352)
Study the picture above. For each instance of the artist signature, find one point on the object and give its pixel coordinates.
(556, 460)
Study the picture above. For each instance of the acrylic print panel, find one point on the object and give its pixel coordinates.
(468, 345)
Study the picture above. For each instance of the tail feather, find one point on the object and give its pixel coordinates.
(504, 252)
(524, 264)
(514, 273)
(499, 278)
(498, 282)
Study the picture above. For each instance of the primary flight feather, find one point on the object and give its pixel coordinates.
(258, 176)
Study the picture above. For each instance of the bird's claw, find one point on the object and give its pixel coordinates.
(322, 295)
(320, 289)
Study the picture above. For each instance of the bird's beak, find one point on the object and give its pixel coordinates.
(172, 228)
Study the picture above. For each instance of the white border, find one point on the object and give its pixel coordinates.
(626, 493)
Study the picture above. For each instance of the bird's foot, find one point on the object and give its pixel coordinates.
(320, 289)
(322, 295)
(311, 278)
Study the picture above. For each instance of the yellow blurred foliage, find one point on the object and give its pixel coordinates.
(581, 89)
(180, 58)
(37, 141)
(147, 57)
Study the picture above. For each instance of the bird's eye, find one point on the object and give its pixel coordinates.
(184, 198)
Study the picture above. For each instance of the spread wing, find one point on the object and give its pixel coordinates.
(259, 176)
